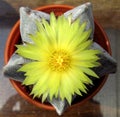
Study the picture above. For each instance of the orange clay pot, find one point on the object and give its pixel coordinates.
(14, 38)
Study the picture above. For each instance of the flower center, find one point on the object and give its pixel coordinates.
(60, 61)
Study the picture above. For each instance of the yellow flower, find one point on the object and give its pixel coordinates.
(62, 59)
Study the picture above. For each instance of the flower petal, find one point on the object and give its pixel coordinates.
(54, 84)
(28, 51)
(44, 96)
(89, 72)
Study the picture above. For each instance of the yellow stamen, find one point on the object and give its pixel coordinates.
(60, 61)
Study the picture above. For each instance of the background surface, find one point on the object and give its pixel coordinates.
(105, 104)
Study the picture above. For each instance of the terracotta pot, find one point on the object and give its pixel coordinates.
(14, 38)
